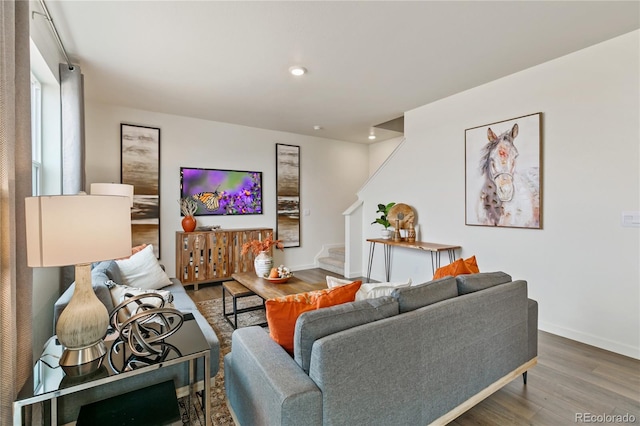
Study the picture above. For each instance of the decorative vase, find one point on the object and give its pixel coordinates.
(411, 233)
(189, 223)
(263, 264)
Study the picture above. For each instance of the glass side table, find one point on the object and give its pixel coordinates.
(48, 381)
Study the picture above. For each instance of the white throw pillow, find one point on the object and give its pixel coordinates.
(337, 282)
(142, 270)
(121, 292)
(373, 290)
(118, 293)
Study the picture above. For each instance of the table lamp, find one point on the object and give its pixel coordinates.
(78, 230)
(121, 189)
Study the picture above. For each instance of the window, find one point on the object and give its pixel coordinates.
(36, 135)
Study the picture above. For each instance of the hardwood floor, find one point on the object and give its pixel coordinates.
(571, 380)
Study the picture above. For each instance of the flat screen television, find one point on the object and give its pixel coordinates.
(222, 192)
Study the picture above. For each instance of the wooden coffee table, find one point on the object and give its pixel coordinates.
(248, 283)
(268, 290)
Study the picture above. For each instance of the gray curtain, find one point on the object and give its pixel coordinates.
(15, 184)
(72, 103)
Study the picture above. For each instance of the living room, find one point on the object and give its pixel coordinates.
(581, 266)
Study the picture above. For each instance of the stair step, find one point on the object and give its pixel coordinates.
(337, 253)
(331, 264)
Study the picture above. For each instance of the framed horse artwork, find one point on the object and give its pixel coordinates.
(503, 173)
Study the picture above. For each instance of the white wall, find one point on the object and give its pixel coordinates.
(380, 151)
(331, 173)
(583, 266)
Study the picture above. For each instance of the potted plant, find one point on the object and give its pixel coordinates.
(188, 206)
(383, 209)
(263, 262)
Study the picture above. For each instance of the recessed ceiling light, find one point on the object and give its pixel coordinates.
(297, 71)
(316, 127)
(372, 135)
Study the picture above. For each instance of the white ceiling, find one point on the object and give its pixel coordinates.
(368, 62)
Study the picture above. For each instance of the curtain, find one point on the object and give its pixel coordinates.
(15, 184)
(72, 102)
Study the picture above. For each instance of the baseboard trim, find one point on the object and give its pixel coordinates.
(486, 392)
(591, 339)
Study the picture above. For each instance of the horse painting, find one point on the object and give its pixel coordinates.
(509, 196)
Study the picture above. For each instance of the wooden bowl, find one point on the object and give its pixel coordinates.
(281, 280)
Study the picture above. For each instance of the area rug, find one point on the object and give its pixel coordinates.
(212, 311)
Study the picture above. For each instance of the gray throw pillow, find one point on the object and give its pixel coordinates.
(113, 272)
(417, 296)
(480, 281)
(316, 324)
(99, 279)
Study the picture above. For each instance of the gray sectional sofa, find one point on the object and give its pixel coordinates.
(424, 355)
(101, 273)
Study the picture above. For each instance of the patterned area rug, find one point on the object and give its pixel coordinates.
(212, 311)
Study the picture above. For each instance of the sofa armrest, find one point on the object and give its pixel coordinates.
(264, 385)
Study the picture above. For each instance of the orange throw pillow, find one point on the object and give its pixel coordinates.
(458, 267)
(283, 312)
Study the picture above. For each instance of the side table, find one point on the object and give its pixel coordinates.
(48, 381)
(433, 248)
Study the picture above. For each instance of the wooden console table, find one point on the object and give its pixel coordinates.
(210, 256)
(433, 248)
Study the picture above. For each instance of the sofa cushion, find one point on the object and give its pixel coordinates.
(368, 290)
(314, 325)
(417, 296)
(143, 270)
(373, 290)
(99, 279)
(458, 267)
(282, 312)
(120, 292)
(470, 283)
(336, 282)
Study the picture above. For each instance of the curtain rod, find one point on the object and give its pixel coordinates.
(47, 16)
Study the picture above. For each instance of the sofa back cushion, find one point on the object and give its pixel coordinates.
(474, 282)
(414, 297)
(314, 325)
(283, 312)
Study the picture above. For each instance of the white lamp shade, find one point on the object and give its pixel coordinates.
(120, 189)
(75, 229)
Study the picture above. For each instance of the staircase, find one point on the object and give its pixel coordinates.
(335, 261)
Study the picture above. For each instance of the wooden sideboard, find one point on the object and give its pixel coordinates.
(211, 256)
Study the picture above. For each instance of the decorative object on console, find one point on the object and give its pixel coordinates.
(222, 192)
(411, 232)
(502, 174)
(288, 194)
(401, 215)
(383, 220)
(69, 222)
(188, 207)
(263, 261)
(140, 159)
(145, 328)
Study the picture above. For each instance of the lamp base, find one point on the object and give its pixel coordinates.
(81, 361)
